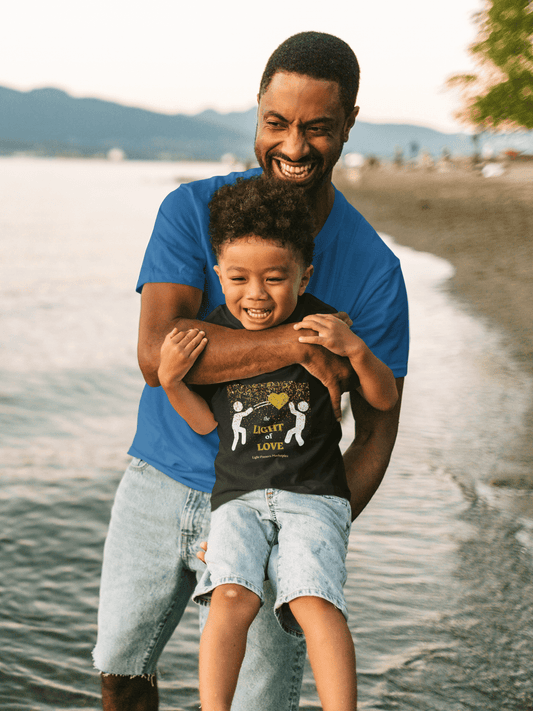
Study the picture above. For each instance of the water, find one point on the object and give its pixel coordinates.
(440, 563)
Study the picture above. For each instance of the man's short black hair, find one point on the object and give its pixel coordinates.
(317, 55)
(272, 209)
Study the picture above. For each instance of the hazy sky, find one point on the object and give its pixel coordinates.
(182, 57)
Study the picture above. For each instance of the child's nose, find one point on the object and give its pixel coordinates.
(256, 290)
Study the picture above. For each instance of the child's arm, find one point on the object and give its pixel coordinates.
(378, 385)
(179, 352)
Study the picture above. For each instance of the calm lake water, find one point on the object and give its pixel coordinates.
(440, 587)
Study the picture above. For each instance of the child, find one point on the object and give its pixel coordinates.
(279, 472)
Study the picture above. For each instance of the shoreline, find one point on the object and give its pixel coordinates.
(484, 228)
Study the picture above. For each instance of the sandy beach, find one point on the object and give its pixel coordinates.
(484, 227)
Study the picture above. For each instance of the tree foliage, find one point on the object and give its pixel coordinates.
(500, 94)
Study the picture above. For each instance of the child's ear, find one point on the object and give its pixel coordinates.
(217, 270)
(308, 273)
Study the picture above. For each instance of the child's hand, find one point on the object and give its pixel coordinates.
(343, 316)
(179, 352)
(201, 553)
(333, 333)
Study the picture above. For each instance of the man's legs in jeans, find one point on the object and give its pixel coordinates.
(148, 576)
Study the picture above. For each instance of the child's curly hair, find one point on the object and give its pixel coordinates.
(271, 209)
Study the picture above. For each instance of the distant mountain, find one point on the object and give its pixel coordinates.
(51, 122)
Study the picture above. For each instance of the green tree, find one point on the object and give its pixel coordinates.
(500, 94)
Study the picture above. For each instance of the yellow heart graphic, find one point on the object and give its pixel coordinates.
(278, 399)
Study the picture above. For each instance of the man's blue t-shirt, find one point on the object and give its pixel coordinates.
(353, 270)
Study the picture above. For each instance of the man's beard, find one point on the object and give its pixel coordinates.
(312, 188)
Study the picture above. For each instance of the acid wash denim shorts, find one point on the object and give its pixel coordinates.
(312, 532)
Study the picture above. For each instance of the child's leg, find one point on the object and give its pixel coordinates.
(331, 651)
(223, 643)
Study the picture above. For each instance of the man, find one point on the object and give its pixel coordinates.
(161, 513)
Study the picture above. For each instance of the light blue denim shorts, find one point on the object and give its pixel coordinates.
(312, 532)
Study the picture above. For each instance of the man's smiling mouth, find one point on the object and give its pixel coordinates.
(295, 172)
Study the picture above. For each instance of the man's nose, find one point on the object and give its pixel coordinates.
(295, 146)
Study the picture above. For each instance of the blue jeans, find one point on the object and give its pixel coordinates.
(149, 572)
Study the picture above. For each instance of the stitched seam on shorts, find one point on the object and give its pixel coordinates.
(187, 534)
(285, 599)
(233, 579)
(157, 635)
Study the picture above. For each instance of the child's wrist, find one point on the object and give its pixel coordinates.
(168, 382)
(358, 353)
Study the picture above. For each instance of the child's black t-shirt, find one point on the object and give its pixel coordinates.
(277, 430)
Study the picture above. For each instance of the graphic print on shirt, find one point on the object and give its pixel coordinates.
(269, 418)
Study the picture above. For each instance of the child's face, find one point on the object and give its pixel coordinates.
(261, 281)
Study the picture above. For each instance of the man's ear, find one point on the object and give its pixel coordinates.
(217, 270)
(349, 123)
(308, 273)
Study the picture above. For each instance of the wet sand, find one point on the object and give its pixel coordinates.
(484, 227)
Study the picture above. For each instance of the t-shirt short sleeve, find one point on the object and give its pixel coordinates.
(175, 253)
(383, 321)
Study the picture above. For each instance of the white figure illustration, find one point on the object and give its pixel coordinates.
(299, 424)
(236, 423)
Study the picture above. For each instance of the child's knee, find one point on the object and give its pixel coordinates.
(231, 595)
(309, 607)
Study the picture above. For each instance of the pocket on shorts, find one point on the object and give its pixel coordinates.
(338, 500)
(137, 464)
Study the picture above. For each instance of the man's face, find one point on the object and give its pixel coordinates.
(301, 128)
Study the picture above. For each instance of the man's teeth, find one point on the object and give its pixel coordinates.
(295, 171)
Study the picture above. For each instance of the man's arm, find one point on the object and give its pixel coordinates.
(231, 353)
(367, 458)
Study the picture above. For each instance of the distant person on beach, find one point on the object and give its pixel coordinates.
(273, 489)
(162, 508)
